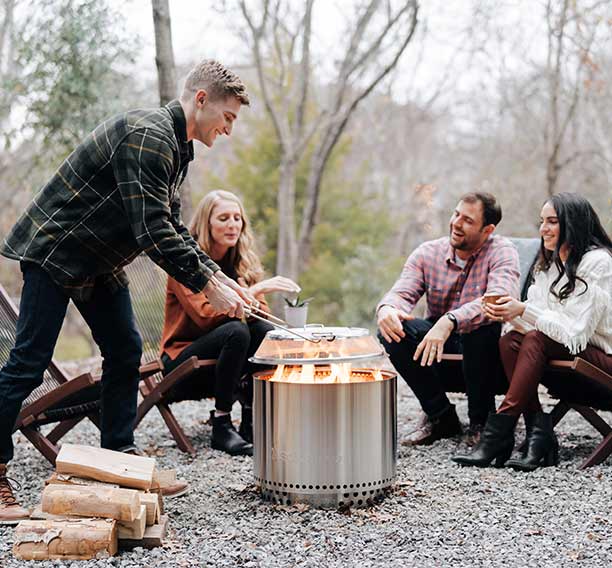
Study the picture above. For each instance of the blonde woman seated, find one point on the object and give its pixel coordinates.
(192, 327)
(568, 312)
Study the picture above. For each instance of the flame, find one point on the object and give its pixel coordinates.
(324, 374)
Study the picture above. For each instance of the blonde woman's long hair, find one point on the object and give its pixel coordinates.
(243, 257)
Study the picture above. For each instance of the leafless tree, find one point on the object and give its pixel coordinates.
(164, 54)
(572, 28)
(281, 43)
(166, 77)
(7, 60)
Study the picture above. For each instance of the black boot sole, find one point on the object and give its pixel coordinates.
(241, 452)
(498, 461)
(547, 461)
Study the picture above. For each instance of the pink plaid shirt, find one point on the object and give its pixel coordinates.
(431, 269)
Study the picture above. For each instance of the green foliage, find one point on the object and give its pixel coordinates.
(350, 268)
(253, 174)
(297, 302)
(70, 54)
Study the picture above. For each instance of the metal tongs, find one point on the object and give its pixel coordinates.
(257, 313)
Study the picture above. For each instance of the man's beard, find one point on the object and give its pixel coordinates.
(462, 245)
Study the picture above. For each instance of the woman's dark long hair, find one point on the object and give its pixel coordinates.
(581, 229)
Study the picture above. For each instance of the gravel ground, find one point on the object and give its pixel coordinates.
(438, 513)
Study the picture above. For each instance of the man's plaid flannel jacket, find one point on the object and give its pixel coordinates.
(115, 196)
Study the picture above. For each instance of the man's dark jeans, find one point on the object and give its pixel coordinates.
(41, 314)
(481, 368)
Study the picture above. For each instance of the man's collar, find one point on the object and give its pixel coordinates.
(180, 130)
(450, 253)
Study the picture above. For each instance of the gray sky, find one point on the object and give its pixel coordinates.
(206, 33)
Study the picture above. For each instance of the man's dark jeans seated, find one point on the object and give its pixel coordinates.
(481, 368)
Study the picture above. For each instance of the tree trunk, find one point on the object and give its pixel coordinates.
(7, 28)
(166, 79)
(164, 55)
(287, 261)
(552, 174)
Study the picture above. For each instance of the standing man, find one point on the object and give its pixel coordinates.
(454, 272)
(114, 197)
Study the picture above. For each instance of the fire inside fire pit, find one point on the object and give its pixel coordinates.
(324, 430)
(334, 373)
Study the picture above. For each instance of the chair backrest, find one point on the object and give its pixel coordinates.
(148, 293)
(528, 252)
(53, 377)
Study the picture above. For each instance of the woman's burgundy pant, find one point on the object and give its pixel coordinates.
(525, 357)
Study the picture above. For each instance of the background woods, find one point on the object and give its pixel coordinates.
(368, 119)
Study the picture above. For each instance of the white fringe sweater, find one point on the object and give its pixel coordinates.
(585, 317)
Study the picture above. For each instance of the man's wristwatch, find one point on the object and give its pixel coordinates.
(452, 317)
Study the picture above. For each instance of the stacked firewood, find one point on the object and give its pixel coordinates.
(96, 502)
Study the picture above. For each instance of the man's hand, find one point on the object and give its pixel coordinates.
(432, 345)
(244, 293)
(505, 309)
(389, 321)
(224, 299)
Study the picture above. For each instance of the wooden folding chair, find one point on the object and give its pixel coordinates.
(585, 388)
(577, 384)
(58, 399)
(148, 292)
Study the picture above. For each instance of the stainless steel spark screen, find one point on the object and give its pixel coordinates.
(325, 432)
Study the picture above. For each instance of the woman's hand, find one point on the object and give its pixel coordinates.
(247, 296)
(275, 284)
(506, 309)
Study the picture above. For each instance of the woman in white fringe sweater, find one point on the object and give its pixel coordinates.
(568, 312)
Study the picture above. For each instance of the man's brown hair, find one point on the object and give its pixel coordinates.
(218, 81)
(491, 210)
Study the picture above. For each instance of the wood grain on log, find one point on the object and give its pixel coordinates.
(134, 529)
(91, 501)
(106, 465)
(77, 539)
(154, 536)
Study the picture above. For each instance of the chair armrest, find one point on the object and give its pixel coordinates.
(151, 368)
(29, 413)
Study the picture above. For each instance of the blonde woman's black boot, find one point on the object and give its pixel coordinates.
(226, 439)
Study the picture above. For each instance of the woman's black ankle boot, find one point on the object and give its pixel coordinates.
(246, 424)
(496, 442)
(542, 446)
(226, 439)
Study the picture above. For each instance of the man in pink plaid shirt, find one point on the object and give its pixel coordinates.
(454, 272)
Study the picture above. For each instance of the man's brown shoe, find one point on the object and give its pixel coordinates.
(10, 511)
(175, 489)
(430, 430)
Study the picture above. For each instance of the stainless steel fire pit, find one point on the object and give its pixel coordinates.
(324, 421)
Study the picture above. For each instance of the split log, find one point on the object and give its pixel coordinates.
(91, 501)
(135, 529)
(76, 539)
(153, 537)
(38, 514)
(106, 465)
(151, 502)
(65, 479)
